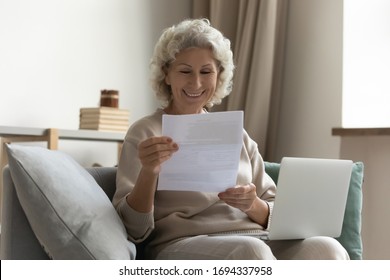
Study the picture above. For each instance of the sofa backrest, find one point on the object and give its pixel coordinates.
(106, 178)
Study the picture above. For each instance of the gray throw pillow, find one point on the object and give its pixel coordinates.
(69, 213)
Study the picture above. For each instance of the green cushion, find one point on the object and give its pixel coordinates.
(69, 213)
(350, 236)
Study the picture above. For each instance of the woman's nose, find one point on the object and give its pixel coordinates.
(196, 80)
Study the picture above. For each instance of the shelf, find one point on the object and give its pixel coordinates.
(373, 131)
(9, 134)
(80, 134)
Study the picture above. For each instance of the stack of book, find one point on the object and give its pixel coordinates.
(104, 119)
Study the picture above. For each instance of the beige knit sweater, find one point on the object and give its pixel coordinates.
(179, 214)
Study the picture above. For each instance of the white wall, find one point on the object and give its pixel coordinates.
(312, 83)
(56, 56)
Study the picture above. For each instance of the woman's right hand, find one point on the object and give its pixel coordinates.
(153, 151)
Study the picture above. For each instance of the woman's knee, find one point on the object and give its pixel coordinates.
(313, 248)
(249, 248)
(326, 248)
(219, 248)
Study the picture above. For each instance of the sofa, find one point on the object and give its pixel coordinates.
(55, 209)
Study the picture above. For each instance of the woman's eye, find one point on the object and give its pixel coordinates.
(202, 72)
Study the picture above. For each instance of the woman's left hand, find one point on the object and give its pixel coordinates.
(240, 196)
(244, 197)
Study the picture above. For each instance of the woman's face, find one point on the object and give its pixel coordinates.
(193, 79)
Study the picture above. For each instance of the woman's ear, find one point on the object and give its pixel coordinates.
(167, 80)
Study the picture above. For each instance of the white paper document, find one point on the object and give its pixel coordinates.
(209, 151)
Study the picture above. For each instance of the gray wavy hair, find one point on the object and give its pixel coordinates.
(192, 33)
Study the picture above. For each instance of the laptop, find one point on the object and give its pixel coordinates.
(310, 198)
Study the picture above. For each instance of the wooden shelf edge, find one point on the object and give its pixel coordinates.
(372, 131)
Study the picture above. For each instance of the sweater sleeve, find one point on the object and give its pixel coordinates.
(138, 225)
(265, 186)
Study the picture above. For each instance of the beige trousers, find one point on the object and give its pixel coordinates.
(205, 247)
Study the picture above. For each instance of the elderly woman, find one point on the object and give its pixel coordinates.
(192, 69)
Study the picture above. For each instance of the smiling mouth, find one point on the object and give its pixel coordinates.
(193, 94)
